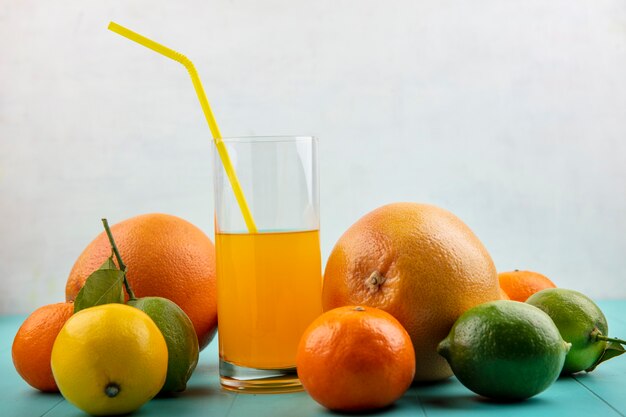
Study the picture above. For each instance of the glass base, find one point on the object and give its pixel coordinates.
(258, 381)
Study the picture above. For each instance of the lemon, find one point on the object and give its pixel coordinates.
(579, 320)
(109, 359)
(505, 350)
(180, 337)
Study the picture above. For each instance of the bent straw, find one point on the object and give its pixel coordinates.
(206, 108)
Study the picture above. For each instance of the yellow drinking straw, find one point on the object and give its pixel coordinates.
(206, 108)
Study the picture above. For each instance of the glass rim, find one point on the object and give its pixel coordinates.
(264, 139)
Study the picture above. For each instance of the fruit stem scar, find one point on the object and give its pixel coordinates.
(374, 281)
(359, 308)
(595, 334)
(112, 389)
(129, 290)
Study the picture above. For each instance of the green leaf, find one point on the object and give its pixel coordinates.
(612, 350)
(109, 264)
(103, 286)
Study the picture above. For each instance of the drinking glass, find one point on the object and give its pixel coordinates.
(268, 282)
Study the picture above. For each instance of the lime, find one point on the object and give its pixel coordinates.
(505, 350)
(109, 359)
(180, 337)
(579, 320)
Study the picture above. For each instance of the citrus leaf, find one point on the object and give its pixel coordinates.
(109, 264)
(612, 350)
(103, 286)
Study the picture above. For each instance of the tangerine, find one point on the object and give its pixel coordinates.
(355, 358)
(418, 262)
(32, 346)
(165, 256)
(519, 285)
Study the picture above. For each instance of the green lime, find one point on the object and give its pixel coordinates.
(579, 320)
(505, 350)
(180, 337)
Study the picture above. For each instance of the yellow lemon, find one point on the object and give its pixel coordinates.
(109, 359)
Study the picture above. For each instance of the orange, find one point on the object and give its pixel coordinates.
(419, 263)
(519, 285)
(32, 346)
(355, 358)
(165, 256)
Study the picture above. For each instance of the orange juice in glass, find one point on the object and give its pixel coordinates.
(269, 281)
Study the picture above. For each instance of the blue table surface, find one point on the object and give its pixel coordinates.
(600, 393)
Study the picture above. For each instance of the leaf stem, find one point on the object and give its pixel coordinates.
(610, 339)
(107, 229)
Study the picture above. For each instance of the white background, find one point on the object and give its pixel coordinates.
(511, 114)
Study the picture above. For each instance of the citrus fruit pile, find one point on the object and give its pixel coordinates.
(409, 294)
(505, 336)
(108, 351)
